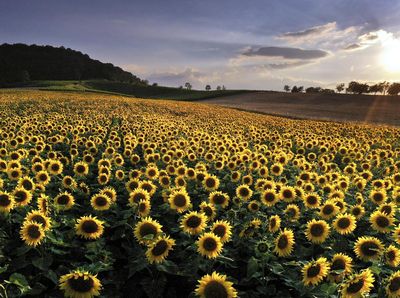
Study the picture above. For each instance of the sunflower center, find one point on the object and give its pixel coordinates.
(355, 287)
(147, 187)
(369, 248)
(378, 197)
(208, 211)
(80, 169)
(313, 271)
(269, 197)
(193, 221)
(356, 211)
(317, 230)
(214, 289)
(387, 209)
(287, 194)
(343, 223)
(382, 221)
(312, 200)
(101, 201)
(180, 200)
(27, 185)
(63, 200)
(210, 182)
(148, 229)
(244, 192)
(81, 284)
(391, 255)
(219, 199)
(39, 219)
(4, 200)
(338, 264)
(220, 231)
(328, 209)
(160, 248)
(272, 223)
(394, 284)
(142, 207)
(283, 242)
(291, 212)
(20, 196)
(210, 244)
(34, 232)
(89, 226)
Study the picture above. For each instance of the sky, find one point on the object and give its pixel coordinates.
(240, 44)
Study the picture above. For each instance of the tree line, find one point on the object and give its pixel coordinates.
(384, 88)
(21, 63)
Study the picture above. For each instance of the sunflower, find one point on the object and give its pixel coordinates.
(357, 211)
(219, 198)
(368, 248)
(276, 169)
(80, 284)
(215, 285)
(14, 173)
(396, 235)
(311, 200)
(159, 249)
(269, 197)
(341, 265)
(315, 271)
(274, 223)
(393, 285)
(100, 202)
(69, 182)
(22, 197)
(328, 210)
(287, 193)
(64, 201)
(344, 223)
(210, 183)
(89, 227)
(223, 230)
(40, 218)
(209, 210)
(111, 193)
(292, 211)
(32, 233)
(358, 285)
(55, 167)
(143, 208)
(138, 195)
(148, 186)
(147, 230)
(378, 196)
(43, 204)
(317, 231)
(381, 222)
(388, 208)
(244, 192)
(209, 245)
(26, 183)
(179, 200)
(392, 256)
(42, 178)
(284, 243)
(81, 169)
(193, 222)
(6, 202)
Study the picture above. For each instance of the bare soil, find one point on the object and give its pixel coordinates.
(332, 107)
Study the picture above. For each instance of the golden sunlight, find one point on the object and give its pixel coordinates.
(390, 57)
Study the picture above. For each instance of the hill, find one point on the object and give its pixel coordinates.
(332, 107)
(21, 63)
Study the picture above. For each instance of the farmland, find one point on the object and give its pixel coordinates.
(108, 195)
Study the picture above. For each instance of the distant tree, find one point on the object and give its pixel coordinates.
(146, 82)
(223, 87)
(327, 91)
(218, 88)
(384, 87)
(154, 84)
(375, 88)
(188, 86)
(359, 88)
(340, 87)
(313, 89)
(286, 88)
(394, 89)
(294, 89)
(208, 87)
(300, 89)
(180, 87)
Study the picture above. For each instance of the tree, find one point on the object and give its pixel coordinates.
(218, 88)
(300, 89)
(359, 88)
(286, 88)
(375, 88)
(155, 84)
(394, 89)
(294, 89)
(208, 87)
(340, 87)
(188, 86)
(223, 87)
(313, 89)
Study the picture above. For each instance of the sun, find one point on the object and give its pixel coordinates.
(391, 56)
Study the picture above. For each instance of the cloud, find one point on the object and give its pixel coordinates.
(178, 78)
(286, 53)
(285, 65)
(353, 46)
(311, 32)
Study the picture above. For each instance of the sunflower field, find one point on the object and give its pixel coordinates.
(106, 196)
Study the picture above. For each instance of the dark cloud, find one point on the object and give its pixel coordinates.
(353, 46)
(317, 30)
(287, 53)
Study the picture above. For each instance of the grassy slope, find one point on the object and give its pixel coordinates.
(156, 92)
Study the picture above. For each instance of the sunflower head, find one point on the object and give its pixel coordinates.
(219, 198)
(381, 222)
(215, 285)
(89, 227)
(358, 285)
(32, 233)
(344, 224)
(194, 222)
(40, 218)
(80, 284)
(393, 285)
(100, 202)
(6, 202)
(179, 200)
(147, 230)
(274, 223)
(284, 243)
(222, 229)
(209, 245)
(315, 271)
(317, 231)
(159, 249)
(368, 248)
